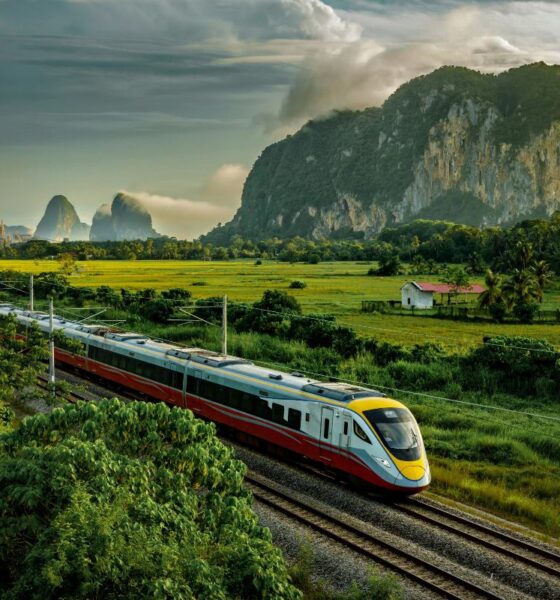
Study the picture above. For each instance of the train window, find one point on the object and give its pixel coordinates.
(177, 381)
(294, 418)
(360, 433)
(345, 427)
(278, 413)
(307, 417)
(265, 411)
(326, 428)
(249, 403)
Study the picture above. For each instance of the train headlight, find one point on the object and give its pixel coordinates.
(383, 462)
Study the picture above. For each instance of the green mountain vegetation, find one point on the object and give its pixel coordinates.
(456, 144)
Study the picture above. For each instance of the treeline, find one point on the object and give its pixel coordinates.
(423, 243)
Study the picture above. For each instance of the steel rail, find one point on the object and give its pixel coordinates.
(484, 536)
(403, 562)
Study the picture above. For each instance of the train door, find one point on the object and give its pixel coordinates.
(345, 431)
(326, 433)
(194, 386)
(184, 386)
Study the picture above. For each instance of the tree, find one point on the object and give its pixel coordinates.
(52, 285)
(67, 263)
(389, 264)
(176, 294)
(272, 314)
(138, 500)
(520, 288)
(21, 360)
(543, 276)
(493, 294)
(458, 279)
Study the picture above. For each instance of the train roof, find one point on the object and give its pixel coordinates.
(339, 391)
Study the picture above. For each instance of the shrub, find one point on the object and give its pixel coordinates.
(298, 285)
(525, 312)
(385, 352)
(519, 356)
(498, 312)
(158, 311)
(176, 294)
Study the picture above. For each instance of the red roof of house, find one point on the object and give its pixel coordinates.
(444, 288)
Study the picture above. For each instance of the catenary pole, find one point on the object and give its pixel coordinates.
(31, 294)
(51, 347)
(224, 327)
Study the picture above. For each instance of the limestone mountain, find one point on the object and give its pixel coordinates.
(125, 219)
(18, 230)
(456, 144)
(61, 222)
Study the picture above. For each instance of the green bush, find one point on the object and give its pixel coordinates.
(525, 312)
(298, 285)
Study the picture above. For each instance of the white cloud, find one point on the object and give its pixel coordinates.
(226, 185)
(365, 72)
(184, 218)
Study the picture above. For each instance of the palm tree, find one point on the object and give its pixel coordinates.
(543, 276)
(493, 294)
(523, 254)
(520, 288)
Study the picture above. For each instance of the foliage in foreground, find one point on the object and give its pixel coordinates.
(136, 500)
(20, 363)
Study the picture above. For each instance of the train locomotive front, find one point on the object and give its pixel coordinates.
(388, 440)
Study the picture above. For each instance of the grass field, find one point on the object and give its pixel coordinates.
(505, 462)
(337, 287)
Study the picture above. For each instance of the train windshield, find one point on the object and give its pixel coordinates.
(398, 430)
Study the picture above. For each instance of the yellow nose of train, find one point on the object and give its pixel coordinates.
(397, 443)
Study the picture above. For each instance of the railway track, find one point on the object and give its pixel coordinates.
(431, 577)
(499, 541)
(70, 396)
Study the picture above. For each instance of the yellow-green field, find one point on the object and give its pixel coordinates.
(338, 288)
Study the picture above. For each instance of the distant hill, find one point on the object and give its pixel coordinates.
(455, 144)
(21, 230)
(60, 222)
(125, 219)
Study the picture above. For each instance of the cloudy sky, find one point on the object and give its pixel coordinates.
(173, 100)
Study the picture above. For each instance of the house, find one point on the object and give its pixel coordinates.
(415, 294)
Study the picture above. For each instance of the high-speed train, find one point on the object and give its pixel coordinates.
(357, 432)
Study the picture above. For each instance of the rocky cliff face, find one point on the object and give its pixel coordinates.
(125, 219)
(60, 222)
(455, 144)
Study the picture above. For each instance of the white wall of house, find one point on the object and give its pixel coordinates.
(412, 297)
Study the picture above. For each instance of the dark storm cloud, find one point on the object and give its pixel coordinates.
(187, 58)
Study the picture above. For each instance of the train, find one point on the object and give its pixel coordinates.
(357, 433)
